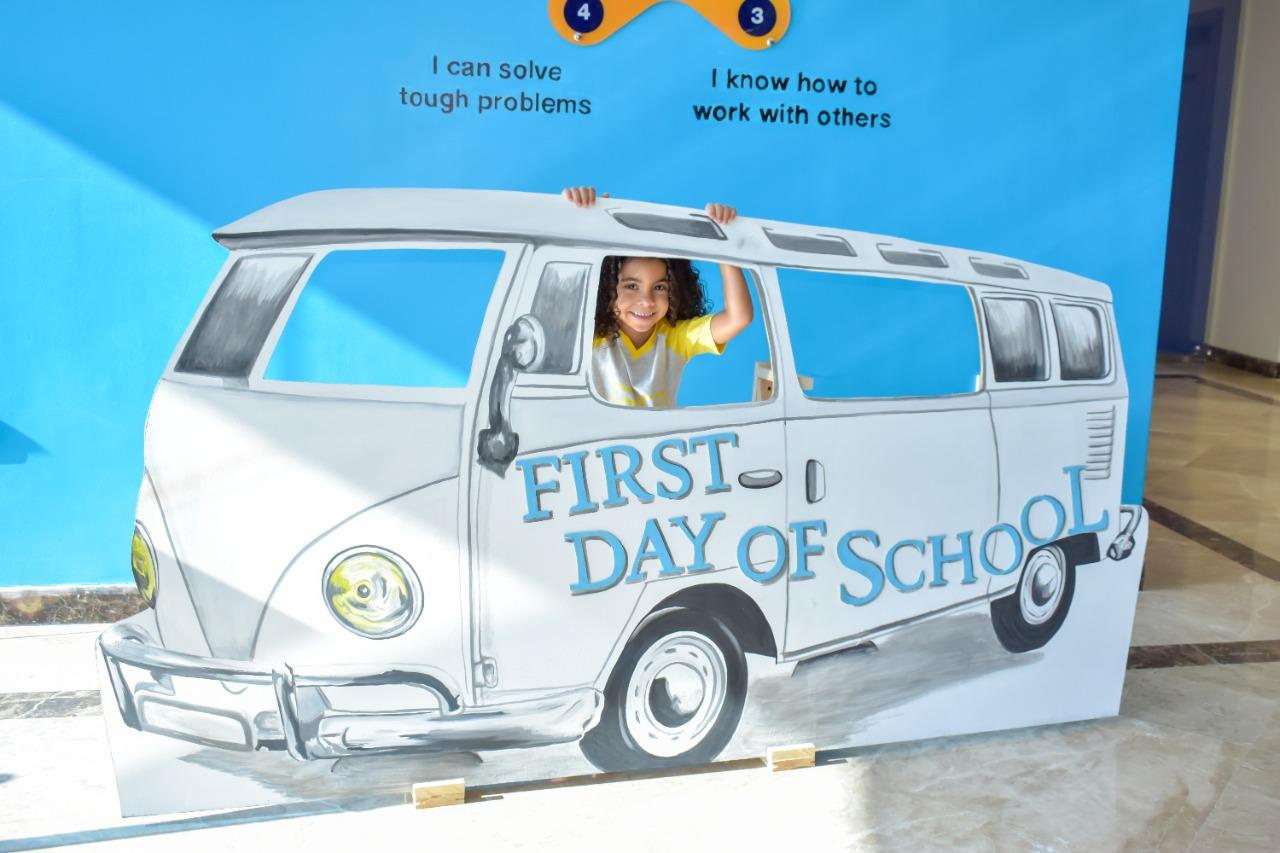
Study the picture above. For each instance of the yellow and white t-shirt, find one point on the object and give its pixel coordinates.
(649, 375)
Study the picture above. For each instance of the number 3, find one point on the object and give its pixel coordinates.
(757, 16)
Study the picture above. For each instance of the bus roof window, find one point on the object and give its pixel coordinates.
(685, 226)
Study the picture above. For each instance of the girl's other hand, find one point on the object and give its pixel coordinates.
(582, 196)
(722, 213)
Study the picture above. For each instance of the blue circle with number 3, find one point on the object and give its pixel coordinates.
(584, 16)
(757, 17)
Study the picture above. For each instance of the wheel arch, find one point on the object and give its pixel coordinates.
(1080, 550)
(738, 611)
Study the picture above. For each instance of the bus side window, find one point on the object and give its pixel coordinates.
(389, 317)
(1017, 339)
(239, 318)
(731, 377)
(860, 336)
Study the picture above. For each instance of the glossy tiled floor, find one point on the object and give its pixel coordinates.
(1192, 762)
(1215, 452)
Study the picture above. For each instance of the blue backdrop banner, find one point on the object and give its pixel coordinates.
(130, 132)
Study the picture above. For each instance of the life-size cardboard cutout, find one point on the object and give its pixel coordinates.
(902, 525)
(390, 526)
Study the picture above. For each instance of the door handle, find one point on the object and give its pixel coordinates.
(815, 481)
(762, 478)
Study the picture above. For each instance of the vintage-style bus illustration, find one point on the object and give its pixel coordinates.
(383, 508)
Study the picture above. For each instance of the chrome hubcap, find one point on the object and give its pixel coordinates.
(675, 694)
(1042, 585)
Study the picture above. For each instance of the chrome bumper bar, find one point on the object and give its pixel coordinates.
(282, 707)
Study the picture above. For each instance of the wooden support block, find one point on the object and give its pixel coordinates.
(762, 389)
(790, 757)
(445, 792)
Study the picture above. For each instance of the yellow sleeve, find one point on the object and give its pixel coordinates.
(693, 337)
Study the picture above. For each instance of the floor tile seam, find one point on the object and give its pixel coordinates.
(1230, 772)
(40, 635)
(1218, 653)
(1227, 826)
(1226, 387)
(50, 694)
(39, 703)
(29, 707)
(1256, 748)
(1194, 743)
(1234, 550)
(1230, 379)
(152, 826)
(1204, 822)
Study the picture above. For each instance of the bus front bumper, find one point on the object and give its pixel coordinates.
(244, 705)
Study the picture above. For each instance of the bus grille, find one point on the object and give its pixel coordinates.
(1102, 431)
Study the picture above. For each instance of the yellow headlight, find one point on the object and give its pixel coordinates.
(372, 592)
(144, 565)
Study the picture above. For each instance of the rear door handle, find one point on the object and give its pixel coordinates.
(762, 478)
(815, 481)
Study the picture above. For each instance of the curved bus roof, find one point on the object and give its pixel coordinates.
(363, 215)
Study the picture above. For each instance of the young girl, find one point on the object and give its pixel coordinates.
(651, 318)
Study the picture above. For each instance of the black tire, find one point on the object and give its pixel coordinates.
(1031, 616)
(643, 729)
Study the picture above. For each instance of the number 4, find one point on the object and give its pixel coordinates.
(584, 11)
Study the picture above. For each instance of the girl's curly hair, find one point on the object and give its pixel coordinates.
(687, 297)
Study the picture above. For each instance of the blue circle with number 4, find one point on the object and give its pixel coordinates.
(584, 16)
(757, 17)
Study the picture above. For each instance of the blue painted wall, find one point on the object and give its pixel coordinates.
(128, 132)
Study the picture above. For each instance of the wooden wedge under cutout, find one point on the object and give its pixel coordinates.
(790, 757)
(445, 792)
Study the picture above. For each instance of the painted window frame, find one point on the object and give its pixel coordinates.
(513, 252)
(978, 320)
(754, 273)
(1047, 356)
(1104, 330)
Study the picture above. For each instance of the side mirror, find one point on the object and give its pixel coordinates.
(526, 342)
(524, 347)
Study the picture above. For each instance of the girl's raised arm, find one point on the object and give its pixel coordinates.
(738, 311)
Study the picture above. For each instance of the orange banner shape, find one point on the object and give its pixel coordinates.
(753, 24)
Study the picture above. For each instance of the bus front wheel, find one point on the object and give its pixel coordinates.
(675, 696)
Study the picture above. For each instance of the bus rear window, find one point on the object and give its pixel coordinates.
(1080, 347)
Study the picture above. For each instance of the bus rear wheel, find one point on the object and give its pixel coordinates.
(1031, 616)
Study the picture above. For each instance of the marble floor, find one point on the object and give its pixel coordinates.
(1191, 763)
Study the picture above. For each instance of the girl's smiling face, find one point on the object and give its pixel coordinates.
(642, 297)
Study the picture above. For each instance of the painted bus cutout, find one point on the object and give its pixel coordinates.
(340, 567)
